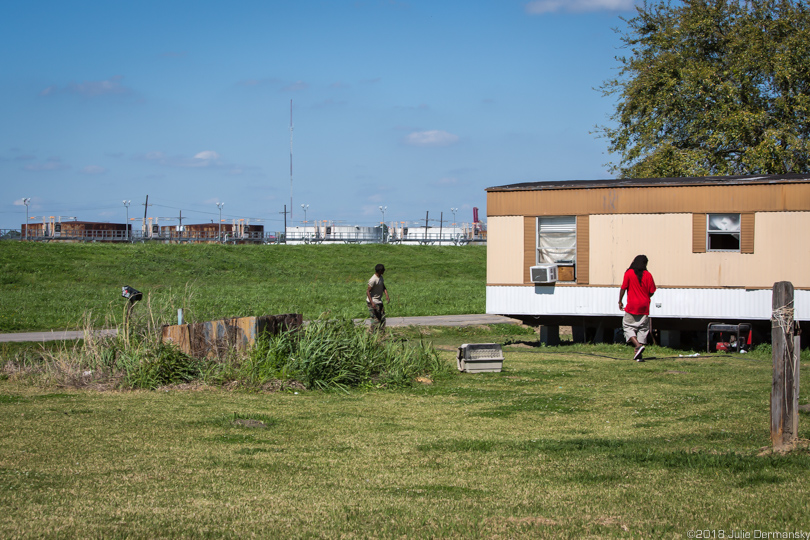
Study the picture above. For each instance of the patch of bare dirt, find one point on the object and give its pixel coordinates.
(799, 445)
(531, 520)
(611, 522)
(283, 386)
(522, 345)
(194, 386)
(250, 423)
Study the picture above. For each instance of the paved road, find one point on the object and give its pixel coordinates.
(437, 320)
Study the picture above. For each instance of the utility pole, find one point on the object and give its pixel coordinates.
(126, 224)
(382, 225)
(285, 222)
(426, 224)
(143, 227)
(220, 205)
(26, 202)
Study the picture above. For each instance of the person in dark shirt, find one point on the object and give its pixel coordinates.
(639, 285)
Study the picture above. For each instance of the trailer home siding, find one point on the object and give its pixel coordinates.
(672, 221)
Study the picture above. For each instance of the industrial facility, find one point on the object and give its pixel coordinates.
(243, 231)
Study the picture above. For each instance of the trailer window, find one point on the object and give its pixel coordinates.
(557, 239)
(723, 232)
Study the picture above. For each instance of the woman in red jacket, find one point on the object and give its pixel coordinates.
(640, 286)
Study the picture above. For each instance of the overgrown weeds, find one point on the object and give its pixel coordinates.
(131, 357)
(337, 354)
(327, 354)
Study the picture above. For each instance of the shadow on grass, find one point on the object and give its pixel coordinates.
(640, 452)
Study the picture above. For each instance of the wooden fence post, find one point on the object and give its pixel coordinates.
(786, 349)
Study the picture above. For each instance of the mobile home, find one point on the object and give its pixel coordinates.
(557, 251)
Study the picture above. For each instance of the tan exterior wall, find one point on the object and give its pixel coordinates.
(505, 250)
(780, 252)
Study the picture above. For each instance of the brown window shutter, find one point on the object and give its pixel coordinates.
(746, 233)
(698, 233)
(583, 249)
(529, 246)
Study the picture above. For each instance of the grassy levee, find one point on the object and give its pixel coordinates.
(559, 445)
(57, 286)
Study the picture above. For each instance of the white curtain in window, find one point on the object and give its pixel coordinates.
(557, 239)
(724, 222)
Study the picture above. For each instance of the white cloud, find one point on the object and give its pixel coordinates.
(93, 169)
(111, 86)
(206, 158)
(538, 7)
(431, 138)
(207, 155)
(327, 103)
(51, 164)
(296, 86)
(258, 82)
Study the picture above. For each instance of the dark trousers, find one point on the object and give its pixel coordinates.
(377, 312)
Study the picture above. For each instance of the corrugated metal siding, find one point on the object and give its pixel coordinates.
(583, 249)
(698, 233)
(651, 200)
(667, 303)
(747, 233)
(529, 246)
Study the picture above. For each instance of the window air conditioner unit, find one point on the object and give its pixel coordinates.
(544, 273)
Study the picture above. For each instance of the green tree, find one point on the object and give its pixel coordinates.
(712, 87)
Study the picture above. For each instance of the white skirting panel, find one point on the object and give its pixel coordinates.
(675, 303)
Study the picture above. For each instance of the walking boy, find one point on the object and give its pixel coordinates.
(374, 292)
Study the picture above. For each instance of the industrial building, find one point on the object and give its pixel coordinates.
(54, 228)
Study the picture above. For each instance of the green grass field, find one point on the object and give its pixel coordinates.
(58, 286)
(561, 444)
(575, 441)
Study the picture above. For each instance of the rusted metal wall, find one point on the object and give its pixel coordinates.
(214, 339)
(73, 226)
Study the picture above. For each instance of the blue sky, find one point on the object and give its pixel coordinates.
(415, 105)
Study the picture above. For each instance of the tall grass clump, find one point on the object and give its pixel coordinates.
(133, 357)
(337, 354)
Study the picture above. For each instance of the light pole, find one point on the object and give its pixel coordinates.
(126, 223)
(220, 205)
(454, 210)
(26, 201)
(382, 227)
(304, 207)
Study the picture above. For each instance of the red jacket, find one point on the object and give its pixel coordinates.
(638, 294)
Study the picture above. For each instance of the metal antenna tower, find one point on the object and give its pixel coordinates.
(291, 161)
